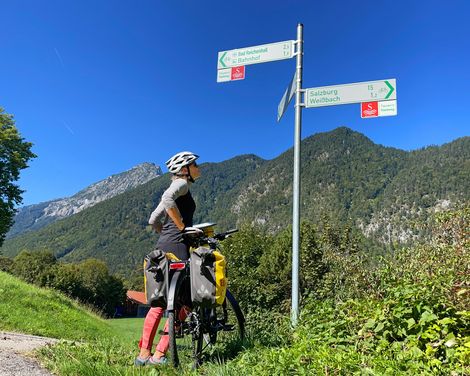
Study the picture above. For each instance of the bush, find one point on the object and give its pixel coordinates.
(406, 313)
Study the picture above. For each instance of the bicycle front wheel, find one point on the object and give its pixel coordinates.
(222, 332)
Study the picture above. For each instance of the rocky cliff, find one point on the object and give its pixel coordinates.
(33, 217)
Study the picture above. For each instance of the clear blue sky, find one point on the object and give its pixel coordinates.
(100, 86)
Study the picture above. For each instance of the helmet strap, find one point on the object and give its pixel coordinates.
(187, 175)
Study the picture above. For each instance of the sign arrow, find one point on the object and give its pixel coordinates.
(221, 60)
(391, 89)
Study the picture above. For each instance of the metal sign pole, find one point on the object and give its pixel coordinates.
(296, 184)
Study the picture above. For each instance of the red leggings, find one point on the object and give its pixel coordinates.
(151, 322)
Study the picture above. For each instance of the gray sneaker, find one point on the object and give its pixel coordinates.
(157, 361)
(140, 362)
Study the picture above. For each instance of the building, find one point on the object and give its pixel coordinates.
(136, 304)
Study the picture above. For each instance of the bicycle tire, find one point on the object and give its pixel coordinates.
(238, 313)
(174, 361)
(222, 331)
(197, 343)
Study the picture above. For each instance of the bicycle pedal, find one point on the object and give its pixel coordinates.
(228, 327)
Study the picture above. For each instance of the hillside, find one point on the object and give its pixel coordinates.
(34, 217)
(346, 177)
(27, 309)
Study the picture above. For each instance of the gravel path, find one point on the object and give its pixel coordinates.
(13, 358)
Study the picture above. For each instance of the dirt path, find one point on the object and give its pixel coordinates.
(14, 348)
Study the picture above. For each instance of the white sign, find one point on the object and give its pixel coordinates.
(388, 108)
(351, 93)
(287, 97)
(255, 54)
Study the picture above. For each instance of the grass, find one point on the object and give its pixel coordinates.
(129, 329)
(32, 310)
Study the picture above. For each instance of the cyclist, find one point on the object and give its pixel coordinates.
(172, 217)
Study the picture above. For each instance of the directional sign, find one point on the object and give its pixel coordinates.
(231, 74)
(375, 109)
(287, 97)
(351, 93)
(255, 54)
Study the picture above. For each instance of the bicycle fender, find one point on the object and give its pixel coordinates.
(173, 289)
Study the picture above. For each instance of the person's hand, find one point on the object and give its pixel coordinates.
(193, 231)
(157, 227)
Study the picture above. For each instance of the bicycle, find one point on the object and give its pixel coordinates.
(201, 329)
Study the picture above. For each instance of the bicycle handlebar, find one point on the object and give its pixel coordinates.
(197, 240)
(225, 235)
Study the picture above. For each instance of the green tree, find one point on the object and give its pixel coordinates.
(5, 264)
(34, 267)
(14, 156)
(104, 290)
(244, 251)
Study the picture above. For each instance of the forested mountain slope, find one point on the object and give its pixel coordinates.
(116, 230)
(345, 178)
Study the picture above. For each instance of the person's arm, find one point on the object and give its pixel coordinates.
(156, 217)
(175, 216)
(178, 187)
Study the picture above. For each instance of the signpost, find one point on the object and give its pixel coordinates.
(255, 54)
(377, 98)
(351, 93)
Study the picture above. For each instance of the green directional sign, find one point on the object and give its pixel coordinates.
(255, 54)
(351, 93)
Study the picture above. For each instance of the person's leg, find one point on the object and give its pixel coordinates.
(150, 329)
(163, 344)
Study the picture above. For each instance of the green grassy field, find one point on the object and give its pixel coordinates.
(129, 329)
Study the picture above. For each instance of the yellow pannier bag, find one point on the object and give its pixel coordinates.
(220, 278)
(208, 277)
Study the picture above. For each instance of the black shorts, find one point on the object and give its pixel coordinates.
(180, 250)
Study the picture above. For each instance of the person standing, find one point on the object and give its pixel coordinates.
(172, 217)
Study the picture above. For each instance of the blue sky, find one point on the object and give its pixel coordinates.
(100, 86)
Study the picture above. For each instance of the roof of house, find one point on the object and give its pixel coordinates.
(137, 296)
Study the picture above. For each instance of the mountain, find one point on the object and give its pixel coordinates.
(34, 217)
(345, 177)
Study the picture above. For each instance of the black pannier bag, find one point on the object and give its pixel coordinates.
(156, 278)
(208, 277)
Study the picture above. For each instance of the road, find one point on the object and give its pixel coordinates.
(14, 360)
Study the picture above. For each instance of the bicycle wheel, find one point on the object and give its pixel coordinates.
(197, 337)
(172, 334)
(222, 331)
(233, 320)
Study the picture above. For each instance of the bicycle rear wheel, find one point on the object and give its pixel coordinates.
(183, 329)
(174, 360)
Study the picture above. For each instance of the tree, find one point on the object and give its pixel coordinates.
(15, 153)
(34, 267)
(5, 264)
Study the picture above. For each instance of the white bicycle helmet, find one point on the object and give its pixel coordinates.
(178, 161)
